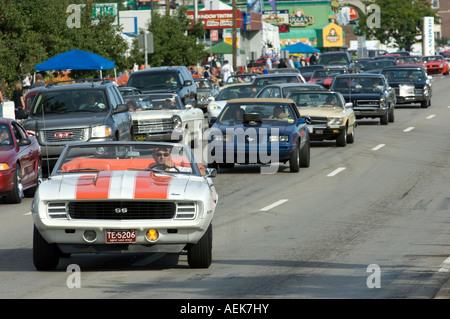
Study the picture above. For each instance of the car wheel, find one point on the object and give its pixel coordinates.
(200, 254)
(294, 160)
(391, 116)
(424, 104)
(305, 155)
(16, 194)
(30, 192)
(351, 136)
(384, 120)
(45, 255)
(341, 140)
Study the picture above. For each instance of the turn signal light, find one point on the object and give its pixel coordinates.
(3, 166)
(152, 235)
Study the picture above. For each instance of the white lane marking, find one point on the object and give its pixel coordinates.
(336, 171)
(376, 148)
(429, 117)
(409, 129)
(29, 213)
(277, 203)
(445, 267)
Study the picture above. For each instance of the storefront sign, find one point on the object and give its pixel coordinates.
(300, 19)
(428, 36)
(217, 19)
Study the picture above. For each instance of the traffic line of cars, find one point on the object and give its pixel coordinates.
(140, 192)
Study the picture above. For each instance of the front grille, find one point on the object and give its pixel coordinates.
(368, 103)
(63, 136)
(153, 126)
(318, 120)
(122, 210)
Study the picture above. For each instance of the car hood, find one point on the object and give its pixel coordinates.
(265, 127)
(154, 114)
(121, 185)
(321, 111)
(66, 120)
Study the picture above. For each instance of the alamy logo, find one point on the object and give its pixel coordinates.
(74, 19)
(373, 19)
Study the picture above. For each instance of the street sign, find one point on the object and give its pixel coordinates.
(214, 35)
(141, 42)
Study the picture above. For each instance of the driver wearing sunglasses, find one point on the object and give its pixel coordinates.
(163, 161)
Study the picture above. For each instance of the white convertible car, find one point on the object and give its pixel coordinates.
(137, 197)
(164, 117)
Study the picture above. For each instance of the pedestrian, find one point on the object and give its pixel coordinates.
(313, 58)
(227, 71)
(282, 64)
(39, 81)
(268, 63)
(208, 75)
(297, 63)
(17, 97)
(291, 62)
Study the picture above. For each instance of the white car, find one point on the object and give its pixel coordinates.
(124, 197)
(228, 92)
(163, 117)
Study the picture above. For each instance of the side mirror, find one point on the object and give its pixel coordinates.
(20, 114)
(187, 83)
(24, 142)
(301, 121)
(211, 98)
(188, 106)
(121, 108)
(348, 105)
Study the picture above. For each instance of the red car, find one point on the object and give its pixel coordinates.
(435, 64)
(20, 162)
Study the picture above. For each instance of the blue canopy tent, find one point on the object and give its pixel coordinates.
(77, 60)
(300, 48)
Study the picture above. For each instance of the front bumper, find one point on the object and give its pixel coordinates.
(6, 181)
(361, 112)
(320, 133)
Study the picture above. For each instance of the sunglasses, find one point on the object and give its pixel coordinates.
(161, 154)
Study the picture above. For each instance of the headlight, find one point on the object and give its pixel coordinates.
(177, 123)
(214, 106)
(278, 138)
(335, 121)
(382, 101)
(101, 131)
(3, 166)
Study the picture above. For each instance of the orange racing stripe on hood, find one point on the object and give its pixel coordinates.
(148, 185)
(93, 186)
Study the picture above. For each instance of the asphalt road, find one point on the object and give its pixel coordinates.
(367, 221)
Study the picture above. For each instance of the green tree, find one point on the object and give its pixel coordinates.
(175, 39)
(401, 20)
(34, 31)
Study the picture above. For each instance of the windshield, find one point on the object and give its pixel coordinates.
(333, 59)
(372, 65)
(433, 58)
(203, 84)
(152, 102)
(66, 101)
(238, 92)
(157, 157)
(275, 113)
(404, 75)
(358, 85)
(322, 99)
(240, 78)
(146, 81)
(276, 79)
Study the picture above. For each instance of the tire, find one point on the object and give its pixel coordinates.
(351, 136)
(30, 192)
(384, 120)
(305, 155)
(16, 194)
(200, 254)
(391, 116)
(424, 104)
(341, 140)
(45, 256)
(294, 160)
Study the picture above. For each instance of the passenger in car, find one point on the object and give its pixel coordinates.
(5, 138)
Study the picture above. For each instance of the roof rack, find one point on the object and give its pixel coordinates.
(83, 80)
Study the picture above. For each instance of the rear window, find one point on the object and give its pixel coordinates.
(146, 81)
(333, 59)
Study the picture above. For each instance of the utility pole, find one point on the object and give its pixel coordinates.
(233, 36)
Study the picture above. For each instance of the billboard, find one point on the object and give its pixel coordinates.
(428, 36)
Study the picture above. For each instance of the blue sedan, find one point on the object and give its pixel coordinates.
(259, 131)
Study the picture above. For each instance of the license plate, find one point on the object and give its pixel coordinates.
(120, 236)
(140, 137)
